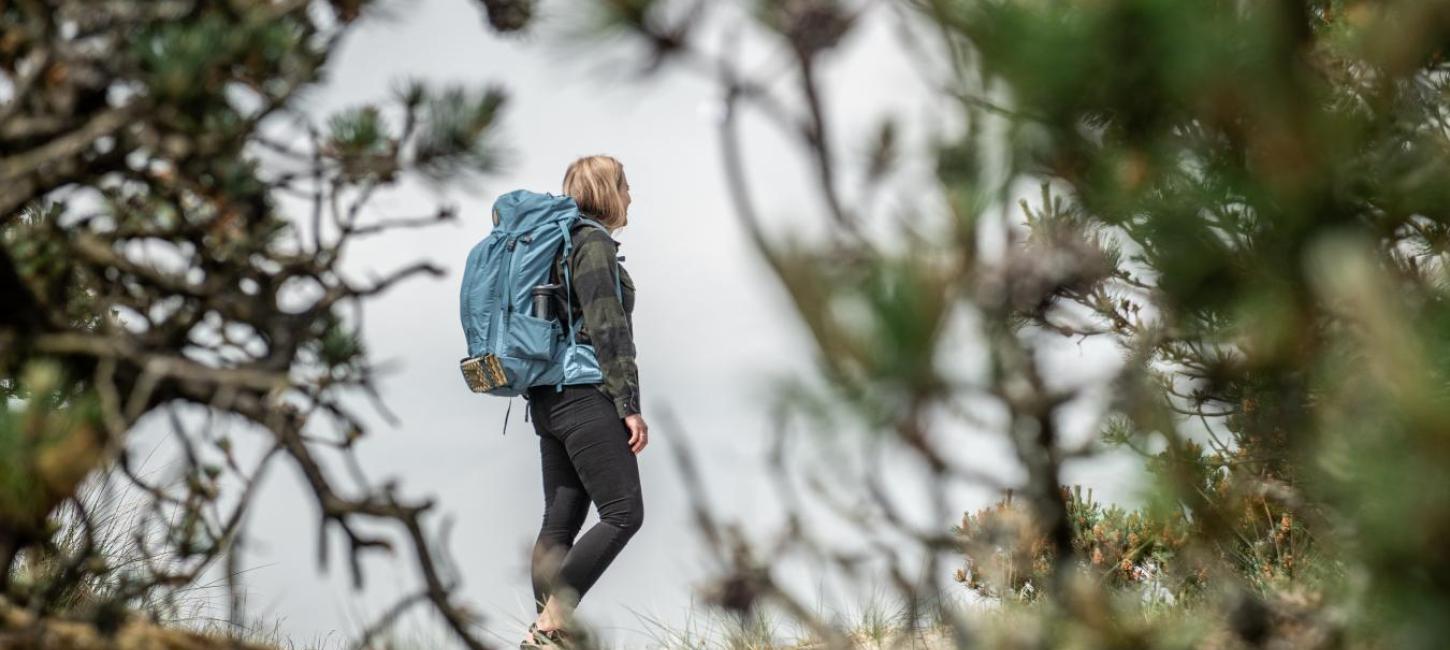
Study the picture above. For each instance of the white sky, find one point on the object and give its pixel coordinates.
(712, 328)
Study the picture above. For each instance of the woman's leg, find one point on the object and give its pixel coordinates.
(597, 443)
(566, 503)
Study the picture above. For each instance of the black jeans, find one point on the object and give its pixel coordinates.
(586, 457)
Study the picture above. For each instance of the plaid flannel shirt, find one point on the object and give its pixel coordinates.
(607, 319)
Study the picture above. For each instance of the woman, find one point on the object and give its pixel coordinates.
(589, 435)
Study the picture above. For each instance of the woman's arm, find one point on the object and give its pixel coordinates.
(593, 278)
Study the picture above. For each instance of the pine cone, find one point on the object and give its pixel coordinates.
(509, 15)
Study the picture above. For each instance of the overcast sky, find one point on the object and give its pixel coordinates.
(712, 328)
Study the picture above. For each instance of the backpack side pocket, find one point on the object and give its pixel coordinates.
(530, 338)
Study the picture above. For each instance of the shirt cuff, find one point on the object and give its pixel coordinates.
(626, 405)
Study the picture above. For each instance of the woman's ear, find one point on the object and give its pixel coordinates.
(495, 216)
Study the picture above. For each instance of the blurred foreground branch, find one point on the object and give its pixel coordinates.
(173, 230)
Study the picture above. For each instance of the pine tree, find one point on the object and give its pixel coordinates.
(1250, 199)
(148, 265)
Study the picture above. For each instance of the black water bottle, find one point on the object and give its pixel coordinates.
(543, 296)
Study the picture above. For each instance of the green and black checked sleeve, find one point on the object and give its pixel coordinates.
(605, 318)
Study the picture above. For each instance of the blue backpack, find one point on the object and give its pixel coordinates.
(509, 349)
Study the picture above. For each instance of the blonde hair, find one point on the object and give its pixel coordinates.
(596, 183)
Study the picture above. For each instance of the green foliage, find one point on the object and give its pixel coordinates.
(48, 440)
(1266, 185)
(358, 131)
(455, 132)
(1009, 557)
(340, 350)
(147, 266)
(1250, 201)
(190, 61)
(40, 259)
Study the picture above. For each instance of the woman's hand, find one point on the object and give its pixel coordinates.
(638, 432)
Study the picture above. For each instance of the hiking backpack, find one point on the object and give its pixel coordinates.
(509, 349)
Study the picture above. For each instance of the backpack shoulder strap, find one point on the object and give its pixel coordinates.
(565, 265)
(590, 222)
(566, 253)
